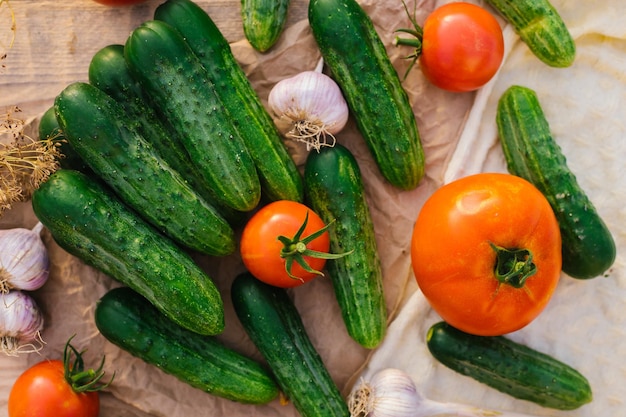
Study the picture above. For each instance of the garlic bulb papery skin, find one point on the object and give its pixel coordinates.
(21, 323)
(309, 108)
(392, 393)
(24, 261)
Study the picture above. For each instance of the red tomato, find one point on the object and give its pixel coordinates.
(117, 3)
(42, 391)
(261, 249)
(453, 252)
(462, 47)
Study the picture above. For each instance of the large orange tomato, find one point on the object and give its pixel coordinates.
(486, 253)
(278, 237)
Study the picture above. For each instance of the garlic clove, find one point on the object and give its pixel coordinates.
(24, 261)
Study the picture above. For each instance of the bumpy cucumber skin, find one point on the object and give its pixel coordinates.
(101, 133)
(109, 72)
(540, 26)
(263, 21)
(334, 189)
(179, 86)
(87, 220)
(274, 325)
(509, 367)
(278, 173)
(129, 321)
(359, 63)
(49, 128)
(532, 153)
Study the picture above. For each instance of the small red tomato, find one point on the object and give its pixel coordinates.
(55, 388)
(273, 240)
(486, 253)
(462, 47)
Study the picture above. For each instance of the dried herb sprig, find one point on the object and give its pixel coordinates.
(24, 162)
(5, 46)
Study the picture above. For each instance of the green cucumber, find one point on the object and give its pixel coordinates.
(274, 325)
(532, 153)
(278, 173)
(49, 128)
(358, 61)
(179, 86)
(334, 189)
(541, 28)
(129, 321)
(109, 72)
(510, 367)
(263, 21)
(101, 133)
(87, 220)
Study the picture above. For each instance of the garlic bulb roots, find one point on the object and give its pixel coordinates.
(310, 108)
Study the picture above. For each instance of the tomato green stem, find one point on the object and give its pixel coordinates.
(295, 249)
(77, 377)
(415, 42)
(513, 266)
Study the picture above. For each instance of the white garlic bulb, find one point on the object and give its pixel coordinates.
(24, 262)
(309, 108)
(21, 323)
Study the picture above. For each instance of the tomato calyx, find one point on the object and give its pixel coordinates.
(79, 378)
(295, 249)
(416, 42)
(513, 266)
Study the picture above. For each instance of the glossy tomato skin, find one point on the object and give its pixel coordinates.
(462, 47)
(453, 260)
(260, 247)
(118, 3)
(42, 391)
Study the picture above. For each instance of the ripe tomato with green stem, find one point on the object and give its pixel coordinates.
(460, 46)
(58, 388)
(285, 244)
(486, 253)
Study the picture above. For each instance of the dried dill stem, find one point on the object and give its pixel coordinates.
(6, 44)
(24, 162)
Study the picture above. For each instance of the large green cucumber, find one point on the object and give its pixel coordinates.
(87, 220)
(101, 133)
(509, 367)
(129, 321)
(532, 153)
(334, 189)
(280, 178)
(359, 63)
(274, 325)
(180, 87)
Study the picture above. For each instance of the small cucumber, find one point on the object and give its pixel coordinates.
(359, 63)
(532, 153)
(278, 173)
(180, 88)
(274, 325)
(263, 21)
(109, 72)
(129, 321)
(334, 188)
(49, 128)
(540, 26)
(87, 220)
(509, 367)
(101, 133)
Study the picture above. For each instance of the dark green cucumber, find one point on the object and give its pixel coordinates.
(101, 133)
(49, 129)
(540, 26)
(108, 71)
(129, 321)
(359, 63)
(509, 367)
(274, 325)
(263, 21)
(532, 153)
(87, 220)
(179, 86)
(334, 189)
(279, 175)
